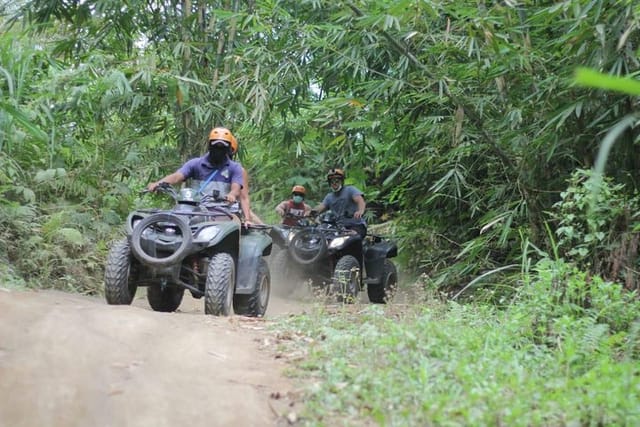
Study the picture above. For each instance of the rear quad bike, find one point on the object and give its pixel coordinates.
(199, 245)
(336, 258)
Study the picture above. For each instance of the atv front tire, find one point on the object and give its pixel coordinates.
(255, 304)
(165, 300)
(220, 285)
(383, 292)
(346, 279)
(119, 288)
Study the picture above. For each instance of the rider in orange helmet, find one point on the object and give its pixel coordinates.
(215, 167)
(295, 208)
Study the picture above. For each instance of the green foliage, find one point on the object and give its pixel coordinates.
(592, 78)
(52, 251)
(454, 364)
(597, 225)
(460, 121)
(565, 350)
(559, 290)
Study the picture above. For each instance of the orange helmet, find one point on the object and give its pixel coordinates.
(298, 189)
(225, 135)
(335, 173)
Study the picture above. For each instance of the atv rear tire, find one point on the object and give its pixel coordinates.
(119, 288)
(165, 300)
(220, 285)
(255, 304)
(149, 259)
(383, 292)
(345, 283)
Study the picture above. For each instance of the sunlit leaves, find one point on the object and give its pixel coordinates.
(594, 79)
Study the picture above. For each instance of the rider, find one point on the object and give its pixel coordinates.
(295, 208)
(346, 202)
(215, 169)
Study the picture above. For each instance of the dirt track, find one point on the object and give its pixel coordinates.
(69, 360)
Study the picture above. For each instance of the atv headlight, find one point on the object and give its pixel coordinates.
(208, 233)
(337, 242)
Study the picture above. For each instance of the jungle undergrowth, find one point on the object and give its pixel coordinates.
(562, 353)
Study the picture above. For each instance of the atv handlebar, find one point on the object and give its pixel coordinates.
(211, 202)
(165, 187)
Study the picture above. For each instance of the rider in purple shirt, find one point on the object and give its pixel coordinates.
(216, 168)
(201, 168)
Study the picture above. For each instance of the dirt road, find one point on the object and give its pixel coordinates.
(69, 360)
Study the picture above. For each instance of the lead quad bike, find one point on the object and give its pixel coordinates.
(336, 258)
(199, 245)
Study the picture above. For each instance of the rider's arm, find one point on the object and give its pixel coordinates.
(245, 203)
(237, 182)
(281, 209)
(174, 178)
(361, 206)
(234, 194)
(320, 208)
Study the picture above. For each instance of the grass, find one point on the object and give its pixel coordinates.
(8, 277)
(446, 364)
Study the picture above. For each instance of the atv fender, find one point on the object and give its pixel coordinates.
(253, 246)
(375, 255)
(279, 235)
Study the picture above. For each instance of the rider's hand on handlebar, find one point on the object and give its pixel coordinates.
(231, 198)
(153, 186)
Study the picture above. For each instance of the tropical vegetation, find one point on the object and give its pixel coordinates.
(497, 141)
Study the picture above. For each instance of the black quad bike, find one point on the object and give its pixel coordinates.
(335, 258)
(199, 245)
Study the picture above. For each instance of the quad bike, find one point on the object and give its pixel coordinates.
(335, 258)
(199, 245)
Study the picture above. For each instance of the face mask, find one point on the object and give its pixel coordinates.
(217, 155)
(336, 186)
(297, 199)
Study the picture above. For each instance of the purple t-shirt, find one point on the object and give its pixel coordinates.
(200, 168)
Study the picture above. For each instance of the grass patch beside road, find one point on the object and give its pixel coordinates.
(457, 365)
